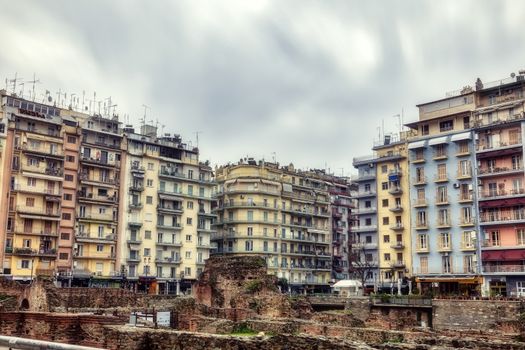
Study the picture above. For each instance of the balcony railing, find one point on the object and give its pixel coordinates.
(517, 192)
(397, 264)
(395, 190)
(38, 211)
(420, 202)
(421, 180)
(464, 173)
(498, 145)
(397, 226)
(504, 268)
(421, 225)
(397, 245)
(442, 200)
(465, 197)
(499, 170)
(396, 209)
(441, 178)
(502, 216)
(364, 228)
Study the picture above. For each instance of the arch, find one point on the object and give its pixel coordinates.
(24, 305)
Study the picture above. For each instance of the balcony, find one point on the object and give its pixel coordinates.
(365, 177)
(49, 171)
(502, 217)
(396, 209)
(463, 152)
(441, 178)
(135, 168)
(134, 224)
(134, 240)
(135, 205)
(133, 258)
(365, 194)
(359, 229)
(463, 174)
(97, 218)
(495, 146)
(397, 245)
(168, 260)
(136, 187)
(501, 194)
(169, 244)
(85, 237)
(443, 248)
(98, 180)
(464, 197)
(419, 202)
(421, 225)
(440, 155)
(39, 211)
(467, 246)
(45, 272)
(443, 223)
(418, 159)
(518, 269)
(396, 172)
(398, 226)
(363, 211)
(51, 152)
(51, 252)
(466, 221)
(163, 226)
(91, 197)
(364, 245)
(422, 249)
(396, 190)
(500, 171)
(175, 209)
(419, 181)
(442, 200)
(100, 162)
(398, 264)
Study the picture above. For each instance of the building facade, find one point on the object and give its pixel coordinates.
(280, 214)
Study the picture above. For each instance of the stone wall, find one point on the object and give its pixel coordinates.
(478, 314)
(65, 328)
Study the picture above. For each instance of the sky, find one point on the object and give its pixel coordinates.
(302, 82)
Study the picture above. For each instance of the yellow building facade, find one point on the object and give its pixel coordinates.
(393, 210)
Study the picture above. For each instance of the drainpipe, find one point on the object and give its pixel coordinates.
(30, 344)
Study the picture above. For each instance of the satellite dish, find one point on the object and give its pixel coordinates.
(512, 75)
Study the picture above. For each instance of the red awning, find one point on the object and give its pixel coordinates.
(503, 255)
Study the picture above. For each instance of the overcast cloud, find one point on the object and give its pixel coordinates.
(308, 80)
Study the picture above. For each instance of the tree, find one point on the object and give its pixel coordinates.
(359, 267)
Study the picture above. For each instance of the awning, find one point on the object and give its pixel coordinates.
(418, 144)
(503, 255)
(348, 283)
(437, 141)
(461, 137)
(462, 280)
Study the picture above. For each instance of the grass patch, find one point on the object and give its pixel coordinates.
(243, 330)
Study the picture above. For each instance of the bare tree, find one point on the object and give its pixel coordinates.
(359, 267)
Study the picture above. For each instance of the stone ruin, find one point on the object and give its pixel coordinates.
(241, 283)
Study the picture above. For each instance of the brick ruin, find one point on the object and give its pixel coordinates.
(235, 293)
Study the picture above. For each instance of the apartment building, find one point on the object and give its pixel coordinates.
(445, 237)
(35, 176)
(365, 239)
(167, 204)
(342, 204)
(279, 213)
(393, 208)
(499, 127)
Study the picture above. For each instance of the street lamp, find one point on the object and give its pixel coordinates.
(147, 262)
(32, 265)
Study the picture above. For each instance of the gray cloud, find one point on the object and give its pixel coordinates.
(308, 80)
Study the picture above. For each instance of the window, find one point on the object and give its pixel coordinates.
(384, 169)
(368, 222)
(190, 174)
(424, 129)
(250, 231)
(68, 196)
(466, 215)
(70, 159)
(66, 216)
(420, 175)
(367, 188)
(421, 219)
(150, 166)
(64, 236)
(494, 238)
(30, 202)
(466, 122)
(384, 185)
(190, 190)
(68, 177)
(440, 151)
(250, 215)
(444, 241)
(26, 243)
(446, 264)
(422, 242)
(149, 182)
(442, 196)
(147, 234)
(149, 200)
(31, 182)
(189, 221)
(368, 204)
(442, 171)
(468, 264)
(188, 238)
(24, 264)
(63, 256)
(464, 168)
(467, 241)
(248, 245)
(147, 251)
(420, 154)
(187, 271)
(387, 256)
(446, 125)
(423, 264)
(463, 147)
(386, 238)
(100, 247)
(386, 220)
(71, 139)
(189, 205)
(443, 217)
(520, 289)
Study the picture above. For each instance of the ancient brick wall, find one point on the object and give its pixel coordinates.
(477, 314)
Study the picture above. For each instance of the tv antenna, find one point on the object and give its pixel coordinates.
(33, 82)
(197, 137)
(14, 81)
(145, 112)
(273, 156)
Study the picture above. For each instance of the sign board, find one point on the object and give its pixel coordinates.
(163, 318)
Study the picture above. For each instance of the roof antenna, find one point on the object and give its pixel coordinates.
(13, 81)
(197, 137)
(34, 81)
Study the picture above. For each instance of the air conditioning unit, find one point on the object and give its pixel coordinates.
(75, 246)
(474, 259)
(371, 165)
(456, 185)
(480, 182)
